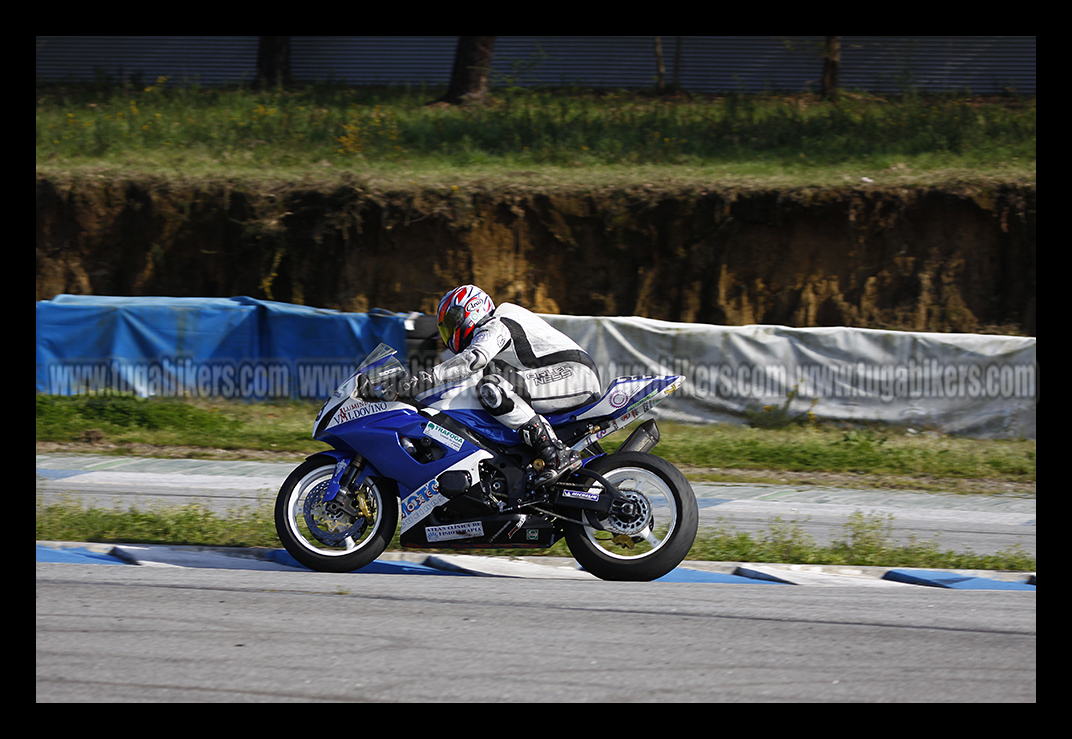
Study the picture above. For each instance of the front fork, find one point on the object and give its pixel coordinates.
(350, 474)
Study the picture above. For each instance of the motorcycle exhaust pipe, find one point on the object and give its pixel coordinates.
(643, 439)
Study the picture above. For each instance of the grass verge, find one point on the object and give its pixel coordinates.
(866, 540)
(391, 137)
(820, 453)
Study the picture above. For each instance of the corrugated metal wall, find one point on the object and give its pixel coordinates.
(881, 64)
(206, 59)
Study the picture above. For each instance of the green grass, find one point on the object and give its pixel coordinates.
(892, 456)
(389, 135)
(179, 525)
(867, 540)
(876, 451)
(213, 427)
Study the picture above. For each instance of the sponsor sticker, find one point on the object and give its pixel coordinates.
(464, 530)
(582, 494)
(420, 503)
(443, 436)
(358, 409)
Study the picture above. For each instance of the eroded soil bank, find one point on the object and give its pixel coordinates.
(958, 258)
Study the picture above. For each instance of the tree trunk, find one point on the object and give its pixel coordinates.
(660, 68)
(472, 66)
(273, 61)
(677, 63)
(831, 67)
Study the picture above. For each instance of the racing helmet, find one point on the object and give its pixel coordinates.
(460, 311)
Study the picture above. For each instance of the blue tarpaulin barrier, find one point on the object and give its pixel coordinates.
(239, 348)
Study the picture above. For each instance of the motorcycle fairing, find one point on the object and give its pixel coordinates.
(631, 396)
(382, 369)
(346, 409)
(418, 503)
(381, 445)
(628, 399)
(625, 400)
(513, 530)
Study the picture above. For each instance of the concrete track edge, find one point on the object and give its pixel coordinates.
(537, 567)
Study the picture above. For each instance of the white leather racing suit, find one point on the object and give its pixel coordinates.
(528, 366)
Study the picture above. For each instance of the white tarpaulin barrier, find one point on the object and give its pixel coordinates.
(967, 384)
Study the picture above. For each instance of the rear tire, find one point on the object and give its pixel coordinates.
(653, 543)
(323, 537)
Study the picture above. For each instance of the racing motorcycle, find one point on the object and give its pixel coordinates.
(461, 480)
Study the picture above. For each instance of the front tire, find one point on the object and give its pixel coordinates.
(322, 536)
(660, 535)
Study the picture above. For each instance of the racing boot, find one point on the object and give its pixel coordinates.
(558, 458)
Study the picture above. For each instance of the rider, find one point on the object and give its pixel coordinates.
(529, 368)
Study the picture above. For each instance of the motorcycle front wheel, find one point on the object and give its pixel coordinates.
(657, 533)
(321, 535)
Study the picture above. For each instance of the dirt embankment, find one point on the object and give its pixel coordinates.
(926, 259)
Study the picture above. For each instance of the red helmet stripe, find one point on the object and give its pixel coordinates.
(459, 312)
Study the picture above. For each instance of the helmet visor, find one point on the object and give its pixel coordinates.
(449, 326)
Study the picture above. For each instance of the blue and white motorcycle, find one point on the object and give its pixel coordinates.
(461, 480)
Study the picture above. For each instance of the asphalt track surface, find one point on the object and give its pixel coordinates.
(181, 624)
(183, 634)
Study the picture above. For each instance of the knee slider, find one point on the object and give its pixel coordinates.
(493, 393)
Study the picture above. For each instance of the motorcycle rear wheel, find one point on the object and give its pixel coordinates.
(323, 537)
(656, 539)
